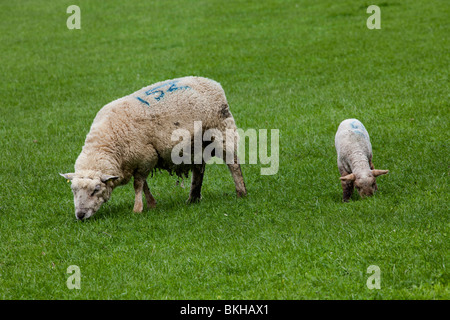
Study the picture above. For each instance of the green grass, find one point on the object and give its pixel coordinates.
(297, 66)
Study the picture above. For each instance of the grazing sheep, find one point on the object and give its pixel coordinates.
(354, 159)
(132, 136)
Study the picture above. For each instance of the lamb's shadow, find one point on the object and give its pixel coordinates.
(336, 196)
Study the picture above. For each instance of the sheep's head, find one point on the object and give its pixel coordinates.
(90, 191)
(365, 184)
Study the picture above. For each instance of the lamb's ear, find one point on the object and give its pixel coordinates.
(377, 173)
(68, 176)
(349, 177)
(105, 178)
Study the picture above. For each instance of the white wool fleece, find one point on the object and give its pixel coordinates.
(354, 159)
(352, 144)
(135, 131)
(132, 136)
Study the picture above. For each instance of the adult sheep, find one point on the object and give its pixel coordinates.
(132, 136)
(354, 159)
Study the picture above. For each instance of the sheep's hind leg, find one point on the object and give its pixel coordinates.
(236, 172)
(196, 183)
(230, 148)
(151, 202)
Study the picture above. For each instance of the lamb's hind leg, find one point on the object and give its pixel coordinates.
(196, 184)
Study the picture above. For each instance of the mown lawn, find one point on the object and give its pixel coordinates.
(298, 66)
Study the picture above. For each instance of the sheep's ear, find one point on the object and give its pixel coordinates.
(68, 176)
(349, 177)
(377, 173)
(105, 178)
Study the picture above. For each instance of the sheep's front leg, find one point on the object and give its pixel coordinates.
(151, 202)
(138, 187)
(196, 183)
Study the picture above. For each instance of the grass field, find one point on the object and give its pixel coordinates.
(297, 66)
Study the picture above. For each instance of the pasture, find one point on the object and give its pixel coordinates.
(297, 66)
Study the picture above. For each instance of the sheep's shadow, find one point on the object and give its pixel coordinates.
(164, 205)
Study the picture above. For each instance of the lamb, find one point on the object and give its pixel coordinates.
(131, 137)
(354, 159)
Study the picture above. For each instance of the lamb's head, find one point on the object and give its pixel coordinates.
(90, 191)
(365, 183)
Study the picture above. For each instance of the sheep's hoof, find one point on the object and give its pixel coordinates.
(151, 205)
(193, 200)
(241, 194)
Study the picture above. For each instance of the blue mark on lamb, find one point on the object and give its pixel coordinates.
(358, 128)
(357, 125)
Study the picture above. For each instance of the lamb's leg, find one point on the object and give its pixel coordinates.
(151, 202)
(347, 187)
(371, 168)
(196, 184)
(138, 186)
(235, 169)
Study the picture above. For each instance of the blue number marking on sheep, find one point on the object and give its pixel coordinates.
(143, 101)
(157, 98)
(173, 87)
(158, 92)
